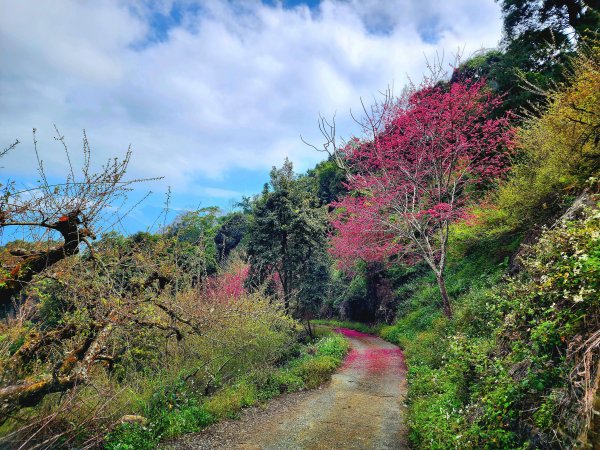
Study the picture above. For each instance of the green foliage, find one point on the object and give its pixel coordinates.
(15, 344)
(131, 437)
(198, 229)
(169, 415)
(314, 285)
(486, 237)
(53, 306)
(150, 360)
(230, 234)
(540, 37)
(367, 295)
(560, 150)
(175, 409)
(352, 294)
(287, 380)
(329, 178)
(422, 335)
(496, 376)
(524, 18)
(315, 371)
(228, 402)
(316, 366)
(334, 346)
(286, 243)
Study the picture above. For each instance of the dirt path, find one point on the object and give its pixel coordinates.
(360, 409)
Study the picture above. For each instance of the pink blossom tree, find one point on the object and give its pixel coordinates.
(421, 160)
(229, 284)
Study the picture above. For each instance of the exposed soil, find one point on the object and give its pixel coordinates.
(361, 408)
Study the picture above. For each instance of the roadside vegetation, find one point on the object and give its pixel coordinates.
(505, 352)
(177, 408)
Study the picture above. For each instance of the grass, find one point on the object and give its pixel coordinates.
(357, 326)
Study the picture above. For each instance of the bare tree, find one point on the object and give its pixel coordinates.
(73, 210)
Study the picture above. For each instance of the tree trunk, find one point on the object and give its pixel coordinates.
(286, 293)
(310, 330)
(445, 299)
(32, 264)
(73, 371)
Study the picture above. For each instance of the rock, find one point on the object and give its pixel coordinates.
(575, 211)
(520, 370)
(132, 418)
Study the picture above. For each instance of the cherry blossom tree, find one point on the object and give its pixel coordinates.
(421, 160)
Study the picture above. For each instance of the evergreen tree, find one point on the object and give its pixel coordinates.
(540, 37)
(286, 237)
(230, 234)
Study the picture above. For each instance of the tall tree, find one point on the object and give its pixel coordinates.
(420, 162)
(330, 181)
(287, 231)
(198, 229)
(230, 234)
(540, 37)
(565, 19)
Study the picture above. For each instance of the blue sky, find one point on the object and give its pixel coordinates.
(210, 94)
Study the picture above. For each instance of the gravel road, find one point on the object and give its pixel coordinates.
(361, 408)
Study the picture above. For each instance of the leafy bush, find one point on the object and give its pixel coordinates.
(559, 149)
(316, 371)
(507, 371)
(288, 380)
(316, 367)
(130, 437)
(177, 408)
(334, 346)
(230, 401)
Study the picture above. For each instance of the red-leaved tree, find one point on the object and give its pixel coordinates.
(228, 285)
(422, 158)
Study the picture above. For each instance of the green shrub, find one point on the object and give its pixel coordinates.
(186, 420)
(497, 375)
(288, 381)
(335, 346)
(228, 402)
(316, 371)
(560, 149)
(316, 365)
(131, 437)
(175, 408)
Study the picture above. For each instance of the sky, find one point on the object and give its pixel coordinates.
(209, 94)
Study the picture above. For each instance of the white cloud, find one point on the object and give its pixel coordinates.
(231, 87)
(221, 193)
